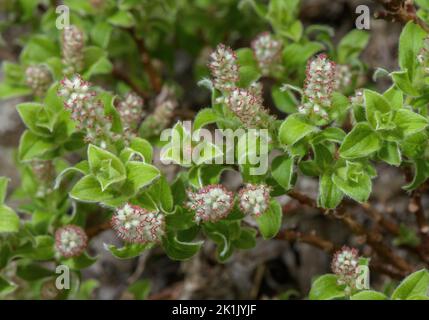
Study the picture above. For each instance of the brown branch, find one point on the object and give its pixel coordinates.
(380, 219)
(374, 239)
(400, 10)
(415, 206)
(311, 239)
(387, 270)
(93, 231)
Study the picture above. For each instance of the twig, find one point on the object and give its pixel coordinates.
(400, 10)
(379, 218)
(374, 239)
(97, 229)
(311, 239)
(415, 206)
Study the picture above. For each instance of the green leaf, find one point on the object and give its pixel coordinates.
(421, 173)
(416, 283)
(42, 248)
(82, 168)
(294, 128)
(143, 147)
(3, 189)
(295, 55)
(390, 153)
(284, 100)
(270, 222)
(330, 195)
(8, 91)
(375, 104)
(86, 289)
(100, 34)
(410, 44)
(282, 171)
(222, 233)
(140, 289)
(248, 75)
(369, 295)
(403, 82)
(107, 168)
(395, 97)
(38, 49)
(414, 146)
(88, 189)
(246, 240)
(351, 45)
(6, 287)
(141, 174)
(418, 297)
(33, 147)
(326, 288)
(340, 104)
(409, 122)
(205, 117)
(33, 271)
(354, 181)
(161, 193)
(360, 142)
(246, 57)
(81, 262)
(122, 19)
(29, 113)
(101, 66)
(331, 134)
(128, 251)
(9, 220)
(180, 250)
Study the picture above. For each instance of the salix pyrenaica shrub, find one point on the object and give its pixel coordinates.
(86, 157)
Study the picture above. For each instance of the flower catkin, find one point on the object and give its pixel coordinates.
(211, 203)
(318, 87)
(267, 51)
(254, 199)
(165, 105)
(86, 110)
(345, 265)
(70, 241)
(72, 44)
(246, 104)
(44, 171)
(38, 78)
(224, 68)
(131, 110)
(134, 224)
(343, 77)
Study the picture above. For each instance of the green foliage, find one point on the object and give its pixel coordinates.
(82, 159)
(413, 287)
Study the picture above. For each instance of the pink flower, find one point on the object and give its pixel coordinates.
(134, 224)
(254, 199)
(319, 84)
(70, 241)
(38, 78)
(72, 49)
(224, 68)
(267, 51)
(345, 264)
(211, 203)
